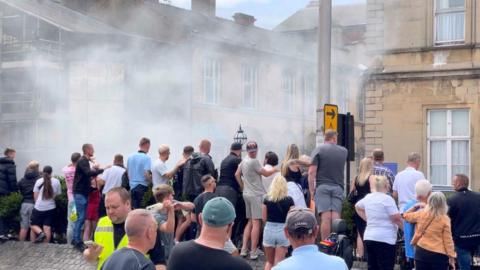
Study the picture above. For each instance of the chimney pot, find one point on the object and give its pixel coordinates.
(244, 19)
(206, 7)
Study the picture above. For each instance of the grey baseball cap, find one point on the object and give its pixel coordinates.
(300, 220)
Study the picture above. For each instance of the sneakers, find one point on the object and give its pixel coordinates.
(41, 236)
(4, 238)
(244, 252)
(254, 254)
(80, 246)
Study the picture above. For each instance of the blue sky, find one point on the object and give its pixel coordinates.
(268, 13)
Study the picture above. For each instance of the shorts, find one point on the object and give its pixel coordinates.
(43, 218)
(274, 235)
(253, 206)
(93, 206)
(329, 197)
(26, 215)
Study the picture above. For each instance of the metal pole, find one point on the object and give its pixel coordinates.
(324, 61)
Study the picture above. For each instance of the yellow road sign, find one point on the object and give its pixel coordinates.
(330, 117)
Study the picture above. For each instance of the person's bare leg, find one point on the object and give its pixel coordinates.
(280, 253)
(326, 224)
(246, 234)
(23, 234)
(255, 233)
(269, 257)
(48, 232)
(87, 230)
(359, 245)
(33, 236)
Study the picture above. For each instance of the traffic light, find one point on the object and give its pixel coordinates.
(346, 134)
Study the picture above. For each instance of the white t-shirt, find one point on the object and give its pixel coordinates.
(40, 203)
(112, 177)
(378, 209)
(267, 181)
(159, 169)
(404, 185)
(296, 193)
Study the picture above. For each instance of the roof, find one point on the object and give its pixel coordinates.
(307, 18)
(61, 16)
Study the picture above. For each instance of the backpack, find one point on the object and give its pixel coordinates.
(338, 244)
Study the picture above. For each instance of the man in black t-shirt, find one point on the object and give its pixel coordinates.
(228, 186)
(206, 252)
(209, 184)
(141, 230)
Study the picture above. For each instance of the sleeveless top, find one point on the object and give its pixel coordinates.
(362, 191)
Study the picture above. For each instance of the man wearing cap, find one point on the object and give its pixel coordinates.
(301, 229)
(228, 186)
(253, 193)
(206, 252)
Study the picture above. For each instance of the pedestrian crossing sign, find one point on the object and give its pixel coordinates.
(330, 117)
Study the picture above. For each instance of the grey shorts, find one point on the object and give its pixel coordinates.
(25, 215)
(253, 206)
(329, 197)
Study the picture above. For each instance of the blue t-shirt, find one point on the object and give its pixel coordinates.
(309, 258)
(409, 230)
(137, 165)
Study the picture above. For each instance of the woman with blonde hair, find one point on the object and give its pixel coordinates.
(275, 208)
(433, 235)
(25, 186)
(291, 170)
(359, 188)
(383, 219)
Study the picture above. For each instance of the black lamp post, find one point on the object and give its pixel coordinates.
(240, 136)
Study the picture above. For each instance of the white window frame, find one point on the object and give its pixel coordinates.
(309, 95)
(449, 138)
(215, 67)
(288, 93)
(448, 11)
(251, 83)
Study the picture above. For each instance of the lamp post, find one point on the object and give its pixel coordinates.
(240, 136)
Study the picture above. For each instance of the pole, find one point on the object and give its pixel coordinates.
(347, 143)
(324, 62)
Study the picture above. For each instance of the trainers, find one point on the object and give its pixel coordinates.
(254, 254)
(80, 246)
(3, 238)
(244, 252)
(41, 236)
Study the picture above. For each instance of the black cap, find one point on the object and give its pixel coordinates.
(236, 146)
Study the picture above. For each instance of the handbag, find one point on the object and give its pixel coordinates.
(417, 237)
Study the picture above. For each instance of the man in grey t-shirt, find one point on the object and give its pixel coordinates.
(326, 178)
(253, 192)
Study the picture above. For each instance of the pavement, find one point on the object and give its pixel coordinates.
(28, 256)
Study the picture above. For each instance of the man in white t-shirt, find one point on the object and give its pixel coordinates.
(160, 172)
(404, 185)
(111, 178)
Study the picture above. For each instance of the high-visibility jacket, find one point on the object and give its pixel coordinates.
(104, 237)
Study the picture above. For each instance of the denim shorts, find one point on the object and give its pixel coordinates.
(25, 215)
(274, 235)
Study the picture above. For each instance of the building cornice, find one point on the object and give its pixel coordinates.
(424, 75)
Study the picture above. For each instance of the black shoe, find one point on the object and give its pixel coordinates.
(41, 236)
(79, 246)
(4, 238)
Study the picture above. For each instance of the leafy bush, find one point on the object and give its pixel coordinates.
(347, 214)
(10, 206)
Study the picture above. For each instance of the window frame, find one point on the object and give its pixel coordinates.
(253, 84)
(288, 93)
(436, 12)
(448, 138)
(215, 77)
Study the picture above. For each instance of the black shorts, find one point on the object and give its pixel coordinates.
(43, 218)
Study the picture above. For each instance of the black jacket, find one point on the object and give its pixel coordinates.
(8, 176)
(83, 175)
(464, 212)
(26, 185)
(196, 167)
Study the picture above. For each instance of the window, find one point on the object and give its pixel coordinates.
(211, 80)
(340, 95)
(448, 144)
(250, 83)
(309, 95)
(449, 22)
(287, 89)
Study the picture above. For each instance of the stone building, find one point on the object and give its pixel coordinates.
(422, 90)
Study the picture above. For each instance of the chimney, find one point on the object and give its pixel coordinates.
(244, 19)
(206, 7)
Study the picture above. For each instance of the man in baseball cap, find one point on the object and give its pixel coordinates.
(206, 252)
(301, 229)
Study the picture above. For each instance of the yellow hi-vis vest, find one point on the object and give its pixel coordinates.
(104, 237)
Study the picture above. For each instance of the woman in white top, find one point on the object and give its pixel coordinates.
(383, 220)
(43, 214)
(271, 160)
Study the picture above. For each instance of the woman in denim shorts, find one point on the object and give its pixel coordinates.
(274, 212)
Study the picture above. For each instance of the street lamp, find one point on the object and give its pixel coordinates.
(240, 136)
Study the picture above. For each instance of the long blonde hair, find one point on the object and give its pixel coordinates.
(292, 153)
(278, 189)
(365, 169)
(437, 204)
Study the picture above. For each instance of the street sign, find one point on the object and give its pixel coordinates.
(330, 117)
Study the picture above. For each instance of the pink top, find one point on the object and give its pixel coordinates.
(69, 172)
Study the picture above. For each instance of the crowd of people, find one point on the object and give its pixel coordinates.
(150, 215)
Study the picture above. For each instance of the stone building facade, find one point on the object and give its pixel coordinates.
(422, 88)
